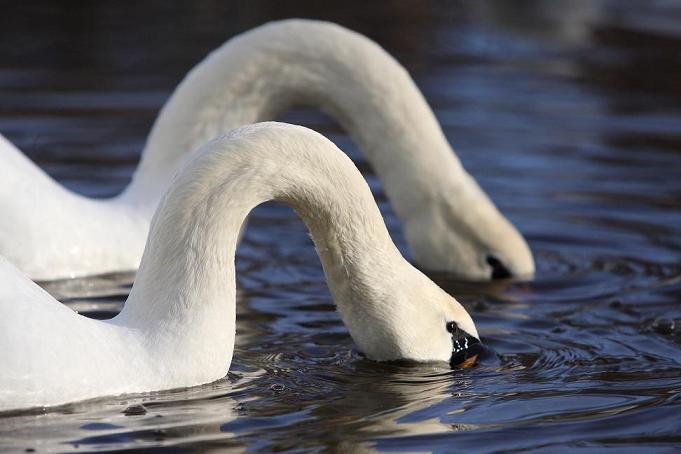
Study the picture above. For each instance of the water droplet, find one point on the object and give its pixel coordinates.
(663, 325)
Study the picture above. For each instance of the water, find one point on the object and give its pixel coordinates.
(569, 117)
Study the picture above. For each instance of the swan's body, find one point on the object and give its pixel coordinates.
(449, 222)
(177, 327)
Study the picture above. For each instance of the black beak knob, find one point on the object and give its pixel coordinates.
(466, 350)
(499, 270)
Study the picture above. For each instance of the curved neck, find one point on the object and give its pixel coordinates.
(186, 283)
(258, 74)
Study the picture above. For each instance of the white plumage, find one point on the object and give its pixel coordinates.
(177, 327)
(450, 224)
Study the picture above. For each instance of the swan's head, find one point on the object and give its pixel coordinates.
(463, 233)
(415, 320)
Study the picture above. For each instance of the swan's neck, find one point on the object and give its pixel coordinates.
(184, 294)
(263, 72)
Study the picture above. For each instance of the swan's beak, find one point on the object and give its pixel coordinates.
(467, 348)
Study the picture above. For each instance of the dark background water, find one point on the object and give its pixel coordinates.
(568, 114)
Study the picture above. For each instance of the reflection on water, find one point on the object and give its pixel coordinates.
(568, 117)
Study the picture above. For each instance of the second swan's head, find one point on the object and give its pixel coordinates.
(461, 231)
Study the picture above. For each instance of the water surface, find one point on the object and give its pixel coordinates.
(569, 117)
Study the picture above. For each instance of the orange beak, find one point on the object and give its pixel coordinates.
(468, 362)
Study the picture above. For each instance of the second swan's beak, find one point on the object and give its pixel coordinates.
(466, 350)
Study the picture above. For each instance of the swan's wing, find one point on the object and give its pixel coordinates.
(21, 298)
(33, 330)
(17, 171)
(51, 355)
(7, 147)
(26, 312)
(49, 232)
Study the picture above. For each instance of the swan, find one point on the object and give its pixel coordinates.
(449, 222)
(177, 326)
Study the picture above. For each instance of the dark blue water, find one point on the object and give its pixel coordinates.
(570, 118)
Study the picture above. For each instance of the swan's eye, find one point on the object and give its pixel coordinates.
(499, 270)
(451, 327)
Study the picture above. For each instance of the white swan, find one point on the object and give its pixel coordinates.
(450, 224)
(177, 326)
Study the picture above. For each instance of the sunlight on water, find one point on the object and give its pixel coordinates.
(569, 117)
